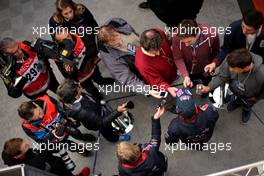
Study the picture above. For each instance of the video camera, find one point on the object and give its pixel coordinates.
(7, 63)
(55, 51)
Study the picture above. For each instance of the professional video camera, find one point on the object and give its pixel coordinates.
(7, 63)
(57, 51)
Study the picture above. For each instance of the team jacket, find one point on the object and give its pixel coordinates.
(87, 64)
(34, 80)
(153, 162)
(41, 130)
(200, 131)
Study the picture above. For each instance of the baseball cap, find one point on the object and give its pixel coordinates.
(185, 104)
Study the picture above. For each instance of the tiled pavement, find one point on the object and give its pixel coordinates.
(17, 17)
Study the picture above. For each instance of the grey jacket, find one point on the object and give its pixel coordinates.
(253, 84)
(115, 61)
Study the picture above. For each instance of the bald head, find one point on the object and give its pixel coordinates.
(151, 40)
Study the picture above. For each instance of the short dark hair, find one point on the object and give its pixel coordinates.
(67, 91)
(253, 18)
(190, 26)
(26, 110)
(151, 39)
(12, 147)
(6, 43)
(239, 58)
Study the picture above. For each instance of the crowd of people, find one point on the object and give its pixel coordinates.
(154, 60)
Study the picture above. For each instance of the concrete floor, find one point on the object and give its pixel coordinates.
(17, 17)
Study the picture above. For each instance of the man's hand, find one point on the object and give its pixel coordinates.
(68, 68)
(205, 89)
(210, 68)
(187, 82)
(122, 108)
(159, 113)
(58, 138)
(155, 94)
(172, 91)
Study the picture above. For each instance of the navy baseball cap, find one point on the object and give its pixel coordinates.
(185, 104)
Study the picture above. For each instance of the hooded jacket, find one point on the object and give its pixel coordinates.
(205, 53)
(120, 64)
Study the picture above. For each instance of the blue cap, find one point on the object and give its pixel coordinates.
(185, 104)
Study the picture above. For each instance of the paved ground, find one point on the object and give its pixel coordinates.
(17, 19)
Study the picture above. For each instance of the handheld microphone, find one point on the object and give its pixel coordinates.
(162, 103)
(130, 105)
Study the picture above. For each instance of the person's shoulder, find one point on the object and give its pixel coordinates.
(139, 55)
(210, 111)
(235, 26)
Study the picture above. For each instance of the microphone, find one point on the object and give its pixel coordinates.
(129, 105)
(162, 103)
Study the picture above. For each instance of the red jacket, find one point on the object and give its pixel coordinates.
(158, 70)
(204, 54)
(38, 81)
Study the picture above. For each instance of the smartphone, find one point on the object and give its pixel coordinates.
(163, 94)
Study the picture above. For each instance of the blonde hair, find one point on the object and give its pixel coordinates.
(128, 153)
(106, 34)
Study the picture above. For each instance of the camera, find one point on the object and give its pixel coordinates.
(55, 51)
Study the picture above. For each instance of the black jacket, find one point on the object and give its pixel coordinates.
(170, 11)
(153, 162)
(43, 161)
(236, 40)
(90, 113)
(198, 132)
(84, 20)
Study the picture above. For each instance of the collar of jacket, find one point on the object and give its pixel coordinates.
(144, 156)
(146, 53)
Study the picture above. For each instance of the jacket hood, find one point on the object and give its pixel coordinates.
(121, 25)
